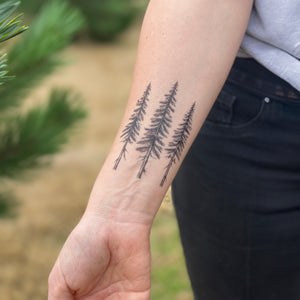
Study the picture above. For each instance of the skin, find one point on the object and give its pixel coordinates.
(194, 43)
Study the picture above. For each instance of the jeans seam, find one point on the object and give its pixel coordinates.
(260, 85)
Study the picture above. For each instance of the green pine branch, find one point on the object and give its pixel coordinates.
(13, 93)
(10, 26)
(34, 56)
(51, 31)
(3, 69)
(42, 131)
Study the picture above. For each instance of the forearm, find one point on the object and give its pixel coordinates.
(185, 52)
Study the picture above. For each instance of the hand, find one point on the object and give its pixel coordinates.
(103, 260)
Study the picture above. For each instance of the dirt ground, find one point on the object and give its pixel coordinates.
(53, 199)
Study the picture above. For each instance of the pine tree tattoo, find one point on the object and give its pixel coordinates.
(180, 137)
(132, 129)
(152, 142)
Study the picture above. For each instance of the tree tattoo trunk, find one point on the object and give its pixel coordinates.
(180, 137)
(152, 142)
(122, 154)
(132, 129)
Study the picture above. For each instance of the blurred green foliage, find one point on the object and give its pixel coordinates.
(169, 275)
(28, 137)
(9, 27)
(40, 131)
(106, 19)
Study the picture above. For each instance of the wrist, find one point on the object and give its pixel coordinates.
(114, 215)
(114, 199)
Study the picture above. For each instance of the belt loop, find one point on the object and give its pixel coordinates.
(248, 73)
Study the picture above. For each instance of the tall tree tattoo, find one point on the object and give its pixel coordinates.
(177, 145)
(152, 142)
(132, 129)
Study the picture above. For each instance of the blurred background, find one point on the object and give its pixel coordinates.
(63, 88)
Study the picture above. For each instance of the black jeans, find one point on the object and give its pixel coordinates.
(237, 193)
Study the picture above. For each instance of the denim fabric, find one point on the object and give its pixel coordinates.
(237, 193)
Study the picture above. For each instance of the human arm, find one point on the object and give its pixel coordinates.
(186, 48)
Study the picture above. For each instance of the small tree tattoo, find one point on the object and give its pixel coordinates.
(152, 142)
(180, 137)
(132, 129)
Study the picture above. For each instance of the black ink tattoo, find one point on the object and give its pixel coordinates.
(152, 142)
(132, 129)
(180, 137)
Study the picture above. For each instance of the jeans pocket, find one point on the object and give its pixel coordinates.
(234, 112)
